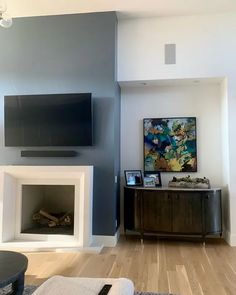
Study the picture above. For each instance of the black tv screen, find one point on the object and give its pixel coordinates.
(48, 120)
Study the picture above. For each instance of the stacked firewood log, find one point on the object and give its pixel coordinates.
(53, 220)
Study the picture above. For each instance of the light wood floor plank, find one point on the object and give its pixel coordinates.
(181, 267)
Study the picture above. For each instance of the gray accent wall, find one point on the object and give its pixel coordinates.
(69, 54)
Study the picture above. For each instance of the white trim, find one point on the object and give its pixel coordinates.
(106, 241)
(51, 246)
(11, 180)
(230, 238)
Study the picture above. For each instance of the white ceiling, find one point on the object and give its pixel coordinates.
(125, 8)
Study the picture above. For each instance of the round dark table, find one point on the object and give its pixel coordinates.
(12, 270)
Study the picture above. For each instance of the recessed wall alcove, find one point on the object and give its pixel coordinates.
(200, 98)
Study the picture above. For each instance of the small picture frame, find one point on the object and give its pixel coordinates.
(149, 182)
(155, 175)
(133, 178)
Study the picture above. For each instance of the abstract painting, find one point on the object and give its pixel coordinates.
(170, 144)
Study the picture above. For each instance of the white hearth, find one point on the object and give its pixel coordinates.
(12, 180)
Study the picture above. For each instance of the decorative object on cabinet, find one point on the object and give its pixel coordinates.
(188, 182)
(149, 182)
(133, 177)
(170, 144)
(156, 175)
(176, 212)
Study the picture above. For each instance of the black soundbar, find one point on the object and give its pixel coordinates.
(48, 153)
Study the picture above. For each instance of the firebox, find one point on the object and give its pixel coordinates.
(47, 209)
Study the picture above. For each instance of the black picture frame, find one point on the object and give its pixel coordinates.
(133, 178)
(156, 175)
(149, 181)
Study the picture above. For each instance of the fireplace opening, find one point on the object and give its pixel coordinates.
(47, 209)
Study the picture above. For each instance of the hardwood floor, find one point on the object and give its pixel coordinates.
(181, 267)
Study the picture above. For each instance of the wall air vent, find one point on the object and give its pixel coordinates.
(170, 54)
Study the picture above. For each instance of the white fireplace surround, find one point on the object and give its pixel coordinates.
(11, 180)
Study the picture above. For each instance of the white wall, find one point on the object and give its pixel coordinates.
(205, 48)
(231, 90)
(225, 157)
(201, 101)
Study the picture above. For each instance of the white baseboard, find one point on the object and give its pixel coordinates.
(106, 241)
(42, 246)
(229, 238)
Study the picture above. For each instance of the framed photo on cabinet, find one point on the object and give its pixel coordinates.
(149, 182)
(155, 175)
(133, 177)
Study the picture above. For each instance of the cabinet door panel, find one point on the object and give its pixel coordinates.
(187, 208)
(212, 203)
(156, 211)
(132, 209)
(129, 200)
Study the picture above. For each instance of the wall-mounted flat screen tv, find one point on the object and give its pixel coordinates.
(48, 120)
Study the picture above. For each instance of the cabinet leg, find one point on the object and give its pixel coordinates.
(204, 241)
(141, 238)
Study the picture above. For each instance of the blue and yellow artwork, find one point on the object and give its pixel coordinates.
(170, 144)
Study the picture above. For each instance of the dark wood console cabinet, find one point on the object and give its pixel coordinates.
(173, 211)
